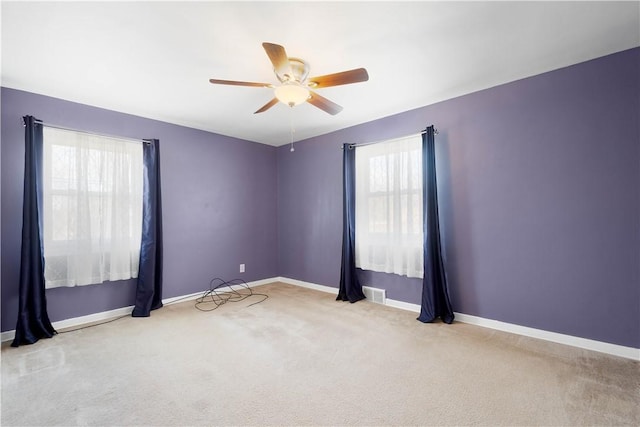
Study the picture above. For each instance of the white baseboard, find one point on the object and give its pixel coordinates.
(79, 321)
(599, 346)
(308, 285)
(123, 311)
(404, 305)
(588, 344)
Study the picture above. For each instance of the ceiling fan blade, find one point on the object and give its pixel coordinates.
(268, 105)
(235, 83)
(324, 104)
(279, 58)
(337, 79)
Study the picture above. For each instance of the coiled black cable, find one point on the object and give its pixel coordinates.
(221, 291)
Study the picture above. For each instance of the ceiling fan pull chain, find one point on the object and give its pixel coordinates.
(292, 129)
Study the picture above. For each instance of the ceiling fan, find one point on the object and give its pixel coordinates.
(295, 85)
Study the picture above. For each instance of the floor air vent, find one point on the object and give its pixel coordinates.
(374, 294)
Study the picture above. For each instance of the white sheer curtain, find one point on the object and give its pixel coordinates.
(389, 236)
(92, 194)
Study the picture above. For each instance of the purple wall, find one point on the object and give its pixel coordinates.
(219, 208)
(539, 191)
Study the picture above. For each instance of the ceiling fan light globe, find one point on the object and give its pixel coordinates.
(291, 94)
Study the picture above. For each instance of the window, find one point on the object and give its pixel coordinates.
(92, 196)
(389, 235)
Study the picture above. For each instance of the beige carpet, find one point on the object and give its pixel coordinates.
(302, 358)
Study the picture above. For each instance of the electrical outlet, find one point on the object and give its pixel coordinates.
(241, 268)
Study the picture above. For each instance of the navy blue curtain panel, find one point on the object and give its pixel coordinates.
(149, 287)
(33, 321)
(435, 293)
(350, 289)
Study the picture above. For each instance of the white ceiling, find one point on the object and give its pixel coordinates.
(154, 59)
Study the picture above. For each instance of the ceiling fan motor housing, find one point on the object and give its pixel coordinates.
(299, 71)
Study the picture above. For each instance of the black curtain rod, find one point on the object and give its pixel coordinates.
(362, 144)
(144, 141)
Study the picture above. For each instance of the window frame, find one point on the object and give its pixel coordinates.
(55, 249)
(409, 150)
